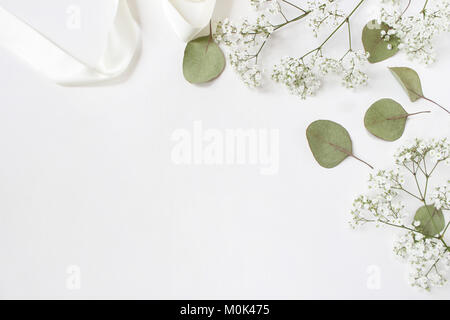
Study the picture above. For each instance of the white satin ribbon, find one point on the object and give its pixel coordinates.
(189, 17)
(60, 66)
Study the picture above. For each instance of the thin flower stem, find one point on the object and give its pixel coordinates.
(418, 187)
(260, 49)
(432, 170)
(406, 228)
(433, 266)
(346, 20)
(408, 192)
(425, 166)
(342, 23)
(295, 6)
(406, 9)
(420, 168)
(443, 241)
(349, 35)
(281, 25)
(445, 230)
(286, 19)
(424, 7)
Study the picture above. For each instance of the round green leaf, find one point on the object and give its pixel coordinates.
(203, 60)
(410, 81)
(375, 45)
(386, 119)
(330, 142)
(432, 220)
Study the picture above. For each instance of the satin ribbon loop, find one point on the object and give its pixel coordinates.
(60, 66)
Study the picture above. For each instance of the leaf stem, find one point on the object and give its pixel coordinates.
(407, 115)
(348, 153)
(434, 102)
(352, 155)
(428, 99)
(210, 39)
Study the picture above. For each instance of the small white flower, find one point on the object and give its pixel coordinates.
(323, 13)
(271, 6)
(417, 33)
(297, 76)
(428, 259)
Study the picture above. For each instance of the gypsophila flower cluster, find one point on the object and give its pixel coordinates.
(428, 259)
(243, 42)
(427, 255)
(380, 207)
(323, 13)
(298, 77)
(417, 33)
(415, 152)
(352, 64)
(440, 198)
(303, 76)
(271, 6)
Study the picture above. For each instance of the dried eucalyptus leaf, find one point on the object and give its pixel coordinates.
(375, 45)
(410, 81)
(330, 142)
(203, 60)
(386, 119)
(432, 220)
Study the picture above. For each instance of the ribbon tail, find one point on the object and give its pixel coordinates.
(60, 66)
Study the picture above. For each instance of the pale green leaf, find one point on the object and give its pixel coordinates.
(432, 220)
(203, 60)
(375, 45)
(386, 119)
(410, 81)
(330, 142)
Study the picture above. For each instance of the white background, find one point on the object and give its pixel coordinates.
(86, 176)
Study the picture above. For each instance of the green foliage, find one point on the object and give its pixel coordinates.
(375, 45)
(203, 60)
(431, 220)
(410, 81)
(386, 119)
(330, 142)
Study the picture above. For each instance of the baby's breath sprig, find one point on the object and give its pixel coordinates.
(415, 28)
(245, 41)
(302, 76)
(423, 244)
